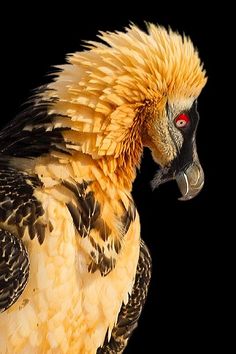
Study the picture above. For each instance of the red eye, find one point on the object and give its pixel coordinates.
(182, 120)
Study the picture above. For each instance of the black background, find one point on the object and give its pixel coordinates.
(187, 301)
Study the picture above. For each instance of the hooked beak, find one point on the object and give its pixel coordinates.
(190, 179)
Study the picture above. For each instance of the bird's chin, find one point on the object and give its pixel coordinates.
(190, 179)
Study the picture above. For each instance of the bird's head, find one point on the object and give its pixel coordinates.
(172, 140)
(131, 90)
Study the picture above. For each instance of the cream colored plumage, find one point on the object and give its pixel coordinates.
(104, 105)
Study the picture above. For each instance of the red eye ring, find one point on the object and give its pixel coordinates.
(182, 120)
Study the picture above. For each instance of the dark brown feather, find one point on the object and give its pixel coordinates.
(19, 208)
(14, 269)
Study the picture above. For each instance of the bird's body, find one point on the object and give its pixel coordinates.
(63, 301)
(64, 308)
(66, 170)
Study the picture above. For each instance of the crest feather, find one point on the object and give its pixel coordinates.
(104, 87)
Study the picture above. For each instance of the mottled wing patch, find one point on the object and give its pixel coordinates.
(101, 262)
(86, 213)
(14, 269)
(19, 209)
(104, 244)
(130, 313)
(104, 257)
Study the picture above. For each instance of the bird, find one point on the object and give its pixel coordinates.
(74, 271)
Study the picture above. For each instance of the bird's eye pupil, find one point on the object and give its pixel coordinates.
(182, 120)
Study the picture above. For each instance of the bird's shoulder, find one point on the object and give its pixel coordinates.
(31, 133)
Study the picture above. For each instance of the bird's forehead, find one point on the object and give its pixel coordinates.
(177, 105)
